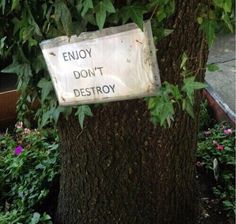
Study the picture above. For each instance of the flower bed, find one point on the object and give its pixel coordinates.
(28, 166)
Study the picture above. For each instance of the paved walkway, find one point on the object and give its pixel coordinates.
(222, 83)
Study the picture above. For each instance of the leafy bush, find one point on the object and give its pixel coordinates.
(28, 165)
(216, 152)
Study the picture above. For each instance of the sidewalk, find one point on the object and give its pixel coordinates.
(222, 83)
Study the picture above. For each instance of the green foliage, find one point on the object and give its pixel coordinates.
(134, 12)
(28, 165)
(29, 23)
(211, 16)
(212, 67)
(162, 106)
(83, 111)
(24, 24)
(216, 152)
(204, 117)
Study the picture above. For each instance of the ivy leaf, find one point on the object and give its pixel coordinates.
(227, 21)
(218, 3)
(56, 113)
(109, 6)
(184, 59)
(46, 87)
(87, 4)
(15, 4)
(188, 107)
(81, 112)
(12, 68)
(228, 204)
(38, 63)
(168, 32)
(227, 6)
(212, 67)
(35, 219)
(209, 27)
(190, 85)
(62, 13)
(166, 110)
(21, 69)
(3, 5)
(100, 15)
(135, 13)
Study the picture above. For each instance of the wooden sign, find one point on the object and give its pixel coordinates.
(114, 64)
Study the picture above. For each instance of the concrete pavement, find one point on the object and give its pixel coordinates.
(221, 84)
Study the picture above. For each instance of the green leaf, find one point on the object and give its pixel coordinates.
(228, 204)
(184, 59)
(190, 85)
(188, 107)
(56, 113)
(87, 4)
(137, 16)
(100, 15)
(15, 4)
(199, 20)
(227, 6)
(209, 27)
(62, 13)
(168, 32)
(45, 217)
(3, 5)
(81, 112)
(46, 86)
(227, 21)
(109, 6)
(35, 219)
(212, 67)
(176, 92)
(166, 111)
(12, 68)
(219, 3)
(135, 13)
(45, 119)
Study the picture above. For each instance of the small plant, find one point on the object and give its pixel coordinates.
(204, 117)
(216, 152)
(28, 165)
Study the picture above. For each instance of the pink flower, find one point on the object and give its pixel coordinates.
(228, 131)
(219, 147)
(19, 124)
(18, 150)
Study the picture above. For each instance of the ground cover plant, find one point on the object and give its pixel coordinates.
(216, 161)
(28, 166)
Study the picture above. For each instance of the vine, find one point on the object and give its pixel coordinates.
(25, 23)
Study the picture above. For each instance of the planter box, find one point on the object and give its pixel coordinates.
(8, 100)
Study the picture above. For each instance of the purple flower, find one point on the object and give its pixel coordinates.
(18, 150)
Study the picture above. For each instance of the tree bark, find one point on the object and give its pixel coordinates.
(122, 169)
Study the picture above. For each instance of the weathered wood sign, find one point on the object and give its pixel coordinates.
(116, 63)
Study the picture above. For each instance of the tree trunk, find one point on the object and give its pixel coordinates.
(122, 169)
